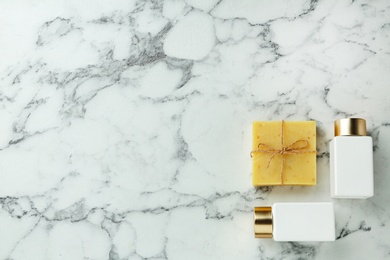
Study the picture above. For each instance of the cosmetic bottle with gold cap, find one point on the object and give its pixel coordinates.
(351, 160)
(313, 221)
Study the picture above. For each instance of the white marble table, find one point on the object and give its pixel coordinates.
(125, 126)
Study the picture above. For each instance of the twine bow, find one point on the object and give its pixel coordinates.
(296, 147)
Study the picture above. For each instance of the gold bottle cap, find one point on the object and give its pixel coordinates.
(350, 126)
(263, 222)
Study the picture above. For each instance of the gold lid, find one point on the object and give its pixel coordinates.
(350, 126)
(263, 222)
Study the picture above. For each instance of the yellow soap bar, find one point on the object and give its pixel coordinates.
(299, 164)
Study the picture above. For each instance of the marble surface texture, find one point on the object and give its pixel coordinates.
(125, 126)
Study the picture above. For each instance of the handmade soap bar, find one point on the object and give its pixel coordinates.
(284, 153)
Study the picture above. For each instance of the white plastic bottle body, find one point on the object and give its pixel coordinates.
(303, 221)
(351, 167)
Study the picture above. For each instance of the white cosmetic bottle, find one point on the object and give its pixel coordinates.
(296, 222)
(351, 160)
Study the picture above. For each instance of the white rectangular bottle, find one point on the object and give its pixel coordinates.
(313, 221)
(351, 160)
